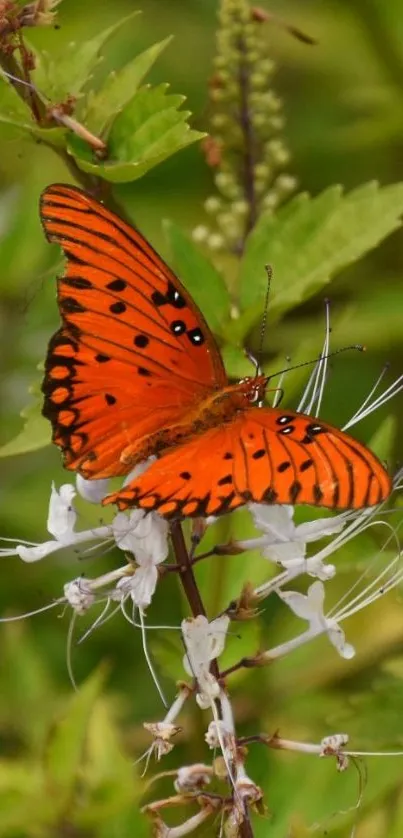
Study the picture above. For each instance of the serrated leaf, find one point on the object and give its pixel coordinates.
(66, 73)
(120, 87)
(35, 433)
(203, 281)
(147, 131)
(309, 241)
(66, 748)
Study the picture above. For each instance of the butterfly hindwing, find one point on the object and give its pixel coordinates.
(262, 456)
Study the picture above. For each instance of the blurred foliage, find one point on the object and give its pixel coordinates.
(66, 761)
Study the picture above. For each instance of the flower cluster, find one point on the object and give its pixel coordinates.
(245, 147)
(291, 550)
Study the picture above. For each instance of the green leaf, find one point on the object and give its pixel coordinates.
(309, 241)
(147, 131)
(66, 73)
(35, 433)
(13, 110)
(202, 280)
(120, 87)
(236, 362)
(382, 441)
(66, 748)
(108, 773)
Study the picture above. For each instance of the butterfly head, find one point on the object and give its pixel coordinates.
(253, 388)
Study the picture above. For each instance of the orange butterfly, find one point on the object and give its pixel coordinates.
(134, 371)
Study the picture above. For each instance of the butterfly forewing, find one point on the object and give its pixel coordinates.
(134, 351)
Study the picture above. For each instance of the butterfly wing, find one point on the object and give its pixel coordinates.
(134, 351)
(265, 456)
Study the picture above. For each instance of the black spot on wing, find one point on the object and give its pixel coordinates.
(117, 308)
(141, 341)
(117, 285)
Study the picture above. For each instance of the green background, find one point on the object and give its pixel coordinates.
(343, 104)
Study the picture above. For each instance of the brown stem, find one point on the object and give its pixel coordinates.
(245, 829)
(21, 85)
(244, 663)
(195, 601)
(248, 143)
(188, 579)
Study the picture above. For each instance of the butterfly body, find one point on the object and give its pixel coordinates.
(134, 371)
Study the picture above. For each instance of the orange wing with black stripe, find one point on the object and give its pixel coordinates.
(264, 456)
(134, 351)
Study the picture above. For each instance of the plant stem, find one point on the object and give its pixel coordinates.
(248, 143)
(185, 569)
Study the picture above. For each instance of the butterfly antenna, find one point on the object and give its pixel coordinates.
(357, 346)
(269, 271)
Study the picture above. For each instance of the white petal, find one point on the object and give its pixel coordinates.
(316, 596)
(39, 551)
(313, 530)
(62, 515)
(143, 534)
(298, 603)
(338, 639)
(315, 567)
(289, 551)
(275, 521)
(123, 529)
(204, 641)
(218, 632)
(143, 584)
(92, 490)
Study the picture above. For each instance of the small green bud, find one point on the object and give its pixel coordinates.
(200, 234)
(217, 94)
(267, 66)
(276, 122)
(278, 152)
(259, 120)
(239, 207)
(215, 241)
(224, 180)
(270, 201)
(212, 205)
(218, 120)
(257, 79)
(286, 184)
(261, 170)
(228, 224)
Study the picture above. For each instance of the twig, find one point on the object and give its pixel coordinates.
(248, 143)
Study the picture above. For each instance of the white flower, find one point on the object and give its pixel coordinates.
(310, 607)
(146, 536)
(204, 642)
(61, 523)
(286, 543)
(79, 595)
